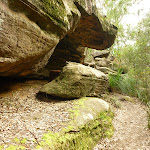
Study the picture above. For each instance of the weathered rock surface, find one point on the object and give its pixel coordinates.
(93, 30)
(102, 61)
(77, 80)
(89, 109)
(31, 29)
(106, 70)
(101, 54)
(91, 120)
(30, 32)
(66, 50)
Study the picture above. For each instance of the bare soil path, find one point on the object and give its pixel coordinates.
(131, 132)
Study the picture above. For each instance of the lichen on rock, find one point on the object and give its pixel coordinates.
(76, 81)
(60, 11)
(77, 136)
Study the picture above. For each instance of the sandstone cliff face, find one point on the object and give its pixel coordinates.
(31, 30)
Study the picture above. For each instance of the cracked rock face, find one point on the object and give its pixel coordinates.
(31, 30)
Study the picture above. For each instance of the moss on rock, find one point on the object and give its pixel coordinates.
(61, 12)
(85, 138)
(76, 81)
(55, 9)
(79, 135)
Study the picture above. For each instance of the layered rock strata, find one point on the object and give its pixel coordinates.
(30, 30)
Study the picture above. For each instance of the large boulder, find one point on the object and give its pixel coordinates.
(30, 30)
(90, 121)
(77, 80)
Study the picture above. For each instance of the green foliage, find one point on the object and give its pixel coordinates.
(114, 80)
(144, 95)
(16, 140)
(1, 147)
(132, 50)
(17, 144)
(14, 147)
(123, 83)
(130, 85)
(137, 58)
(115, 10)
(23, 141)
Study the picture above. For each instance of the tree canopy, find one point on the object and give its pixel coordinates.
(132, 47)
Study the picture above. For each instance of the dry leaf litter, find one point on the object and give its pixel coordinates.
(24, 116)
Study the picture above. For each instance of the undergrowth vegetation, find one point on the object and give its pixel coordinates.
(132, 86)
(123, 83)
(128, 84)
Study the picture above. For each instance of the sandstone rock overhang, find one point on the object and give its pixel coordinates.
(93, 30)
(30, 30)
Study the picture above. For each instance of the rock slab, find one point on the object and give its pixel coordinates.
(76, 81)
(89, 108)
(91, 120)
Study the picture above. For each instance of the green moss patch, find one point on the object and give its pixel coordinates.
(85, 138)
(55, 9)
(17, 144)
(91, 120)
